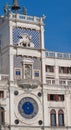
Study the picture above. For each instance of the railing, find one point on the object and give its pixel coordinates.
(58, 55)
(4, 77)
(4, 128)
(26, 17)
(58, 82)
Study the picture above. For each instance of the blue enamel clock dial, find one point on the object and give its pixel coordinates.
(28, 107)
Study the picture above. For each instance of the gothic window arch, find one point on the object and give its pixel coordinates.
(53, 117)
(2, 115)
(61, 118)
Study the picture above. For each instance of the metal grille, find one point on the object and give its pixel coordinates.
(35, 35)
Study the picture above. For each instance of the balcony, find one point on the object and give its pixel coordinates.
(50, 74)
(59, 82)
(4, 127)
(23, 18)
(4, 77)
(58, 55)
(28, 83)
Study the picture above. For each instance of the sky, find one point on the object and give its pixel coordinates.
(57, 23)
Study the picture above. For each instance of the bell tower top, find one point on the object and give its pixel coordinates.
(15, 5)
(17, 24)
(21, 36)
(13, 13)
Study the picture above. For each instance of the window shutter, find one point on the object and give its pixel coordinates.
(52, 68)
(48, 97)
(59, 69)
(46, 68)
(67, 70)
(56, 97)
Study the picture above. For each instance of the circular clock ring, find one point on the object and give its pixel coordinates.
(28, 107)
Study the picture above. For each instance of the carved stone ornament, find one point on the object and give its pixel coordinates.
(25, 41)
(28, 84)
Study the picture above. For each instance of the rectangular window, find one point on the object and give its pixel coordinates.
(52, 97)
(50, 81)
(36, 74)
(62, 82)
(69, 70)
(55, 97)
(69, 82)
(49, 68)
(60, 97)
(1, 94)
(63, 69)
(17, 73)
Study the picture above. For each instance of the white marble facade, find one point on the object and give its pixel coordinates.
(35, 85)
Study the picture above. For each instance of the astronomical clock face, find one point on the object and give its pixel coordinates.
(28, 107)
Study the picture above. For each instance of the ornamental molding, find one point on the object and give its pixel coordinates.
(29, 83)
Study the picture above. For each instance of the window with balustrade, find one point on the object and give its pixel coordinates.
(50, 81)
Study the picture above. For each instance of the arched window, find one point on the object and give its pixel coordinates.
(53, 117)
(61, 118)
(2, 115)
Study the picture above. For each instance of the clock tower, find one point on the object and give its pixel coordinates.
(22, 54)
